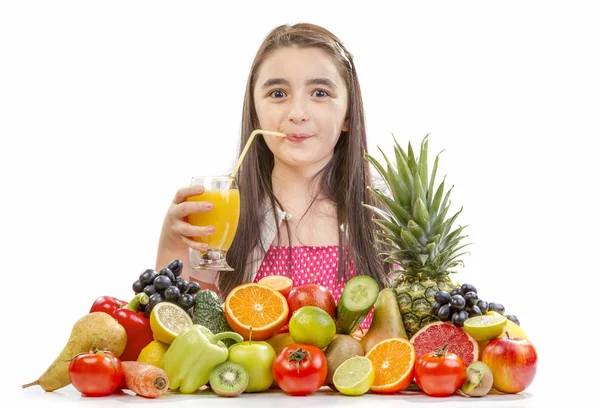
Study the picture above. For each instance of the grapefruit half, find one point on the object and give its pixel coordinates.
(437, 334)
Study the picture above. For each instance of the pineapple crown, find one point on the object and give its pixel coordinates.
(414, 230)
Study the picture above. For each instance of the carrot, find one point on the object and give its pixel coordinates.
(144, 379)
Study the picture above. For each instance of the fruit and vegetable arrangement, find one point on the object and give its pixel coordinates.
(428, 333)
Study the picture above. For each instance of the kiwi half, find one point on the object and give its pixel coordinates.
(228, 379)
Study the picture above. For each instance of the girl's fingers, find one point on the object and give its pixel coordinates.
(188, 230)
(198, 246)
(191, 207)
(185, 192)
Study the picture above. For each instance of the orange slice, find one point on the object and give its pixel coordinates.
(282, 284)
(256, 306)
(394, 361)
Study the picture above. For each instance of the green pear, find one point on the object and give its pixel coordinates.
(387, 321)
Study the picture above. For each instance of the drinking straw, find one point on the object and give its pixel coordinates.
(249, 142)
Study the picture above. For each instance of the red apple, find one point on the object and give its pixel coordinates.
(513, 362)
(311, 295)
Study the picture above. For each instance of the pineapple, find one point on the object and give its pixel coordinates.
(416, 234)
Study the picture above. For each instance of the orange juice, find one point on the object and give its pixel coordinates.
(224, 217)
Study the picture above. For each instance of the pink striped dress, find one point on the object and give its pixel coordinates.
(310, 264)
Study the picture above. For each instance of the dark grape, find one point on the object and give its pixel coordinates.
(474, 311)
(458, 318)
(458, 302)
(176, 266)
(514, 319)
(483, 306)
(496, 307)
(142, 308)
(444, 312)
(138, 286)
(172, 294)
(185, 301)
(471, 298)
(190, 312)
(168, 273)
(182, 285)
(435, 308)
(150, 290)
(147, 277)
(442, 297)
(154, 300)
(467, 288)
(193, 287)
(455, 291)
(162, 282)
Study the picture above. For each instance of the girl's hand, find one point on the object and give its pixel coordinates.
(176, 230)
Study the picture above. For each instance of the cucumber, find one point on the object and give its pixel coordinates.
(358, 297)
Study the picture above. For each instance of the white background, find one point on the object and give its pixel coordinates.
(107, 108)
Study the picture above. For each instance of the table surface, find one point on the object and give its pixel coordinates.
(68, 395)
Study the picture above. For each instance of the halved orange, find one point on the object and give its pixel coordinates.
(282, 284)
(256, 306)
(394, 361)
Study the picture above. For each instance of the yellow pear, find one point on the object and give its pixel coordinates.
(387, 321)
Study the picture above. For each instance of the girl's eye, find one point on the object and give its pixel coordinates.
(278, 93)
(319, 93)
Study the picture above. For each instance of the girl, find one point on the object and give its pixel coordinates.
(301, 196)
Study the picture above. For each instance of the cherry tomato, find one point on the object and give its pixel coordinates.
(96, 374)
(300, 369)
(440, 373)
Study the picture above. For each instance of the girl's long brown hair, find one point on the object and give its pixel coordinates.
(343, 180)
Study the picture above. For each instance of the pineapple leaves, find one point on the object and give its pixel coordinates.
(396, 210)
(423, 164)
(421, 215)
(413, 230)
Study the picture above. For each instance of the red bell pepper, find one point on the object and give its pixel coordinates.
(137, 326)
(107, 304)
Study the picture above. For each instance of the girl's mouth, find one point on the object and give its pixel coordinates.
(297, 137)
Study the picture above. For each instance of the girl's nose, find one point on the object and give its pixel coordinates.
(298, 111)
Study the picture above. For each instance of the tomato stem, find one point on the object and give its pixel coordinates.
(297, 356)
(440, 351)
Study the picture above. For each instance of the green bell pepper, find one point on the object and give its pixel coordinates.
(192, 356)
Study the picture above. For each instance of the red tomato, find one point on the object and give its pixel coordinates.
(96, 374)
(300, 369)
(440, 373)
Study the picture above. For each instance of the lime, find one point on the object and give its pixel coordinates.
(153, 353)
(312, 325)
(354, 376)
(486, 327)
(167, 320)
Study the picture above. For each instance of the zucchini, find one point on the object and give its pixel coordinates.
(358, 297)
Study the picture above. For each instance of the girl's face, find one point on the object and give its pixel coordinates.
(298, 91)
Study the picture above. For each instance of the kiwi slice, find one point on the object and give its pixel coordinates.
(228, 379)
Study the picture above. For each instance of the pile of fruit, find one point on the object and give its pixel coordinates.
(428, 332)
(269, 335)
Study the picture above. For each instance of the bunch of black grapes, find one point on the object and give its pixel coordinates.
(462, 303)
(166, 286)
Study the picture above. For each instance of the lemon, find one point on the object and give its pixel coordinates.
(153, 353)
(354, 376)
(486, 327)
(312, 325)
(167, 320)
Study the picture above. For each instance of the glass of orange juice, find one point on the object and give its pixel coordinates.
(223, 192)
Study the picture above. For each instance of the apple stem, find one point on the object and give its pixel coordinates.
(507, 335)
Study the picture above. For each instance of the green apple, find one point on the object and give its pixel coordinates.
(257, 358)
